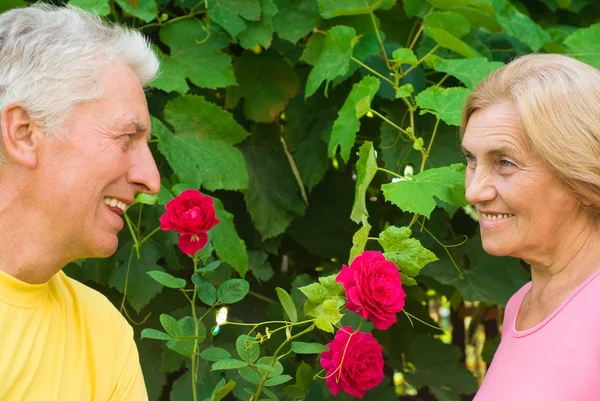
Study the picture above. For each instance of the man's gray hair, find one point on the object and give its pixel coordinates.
(51, 58)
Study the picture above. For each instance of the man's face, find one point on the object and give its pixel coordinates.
(104, 159)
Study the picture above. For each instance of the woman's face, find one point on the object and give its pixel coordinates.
(523, 210)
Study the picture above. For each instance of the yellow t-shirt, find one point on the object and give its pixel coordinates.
(63, 341)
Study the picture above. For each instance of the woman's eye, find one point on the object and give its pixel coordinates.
(506, 163)
(470, 160)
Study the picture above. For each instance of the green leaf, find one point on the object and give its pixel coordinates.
(247, 348)
(229, 246)
(404, 56)
(347, 124)
(404, 91)
(273, 198)
(416, 8)
(471, 72)
(439, 366)
(326, 288)
(294, 392)
(166, 279)
(308, 348)
(232, 291)
(214, 354)
(206, 291)
(101, 7)
(267, 81)
(264, 366)
(366, 168)
(446, 104)
(418, 144)
(313, 49)
(407, 253)
(584, 45)
(451, 22)
(222, 390)
(143, 9)
(209, 267)
(448, 41)
(334, 58)
(520, 26)
(232, 14)
(141, 288)
(295, 18)
(226, 364)
(187, 328)
(170, 325)
(278, 380)
(359, 241)
(195, 55)
(146, 199)
(250, 375)
(331, 315)
(260, 33)
(335, 8)
(288, 304)
(415, 195)
(486, 278)
(155, 334)
(259, 266)
(304, 376)
(201, 150)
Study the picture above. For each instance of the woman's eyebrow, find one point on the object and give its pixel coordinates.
(502, 150)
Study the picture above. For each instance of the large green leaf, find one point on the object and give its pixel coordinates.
(141, 288)
(366, 168)
(295, 18)
(233, 15)
(584, 45)
(347, 124)
(451, 22)
(445, 104)
(195, 55)
(272, 198)
(407, 253)
(415, 193)
(439, 366)
(267, 81)
(334, 59)
(486, 278)
(416, 8)
(201, 150)
(470, 71)
(451, 42)
(336, 8)
(143, 9)
(520, 26)
(228, 245)
(260, 32)
(101, 7)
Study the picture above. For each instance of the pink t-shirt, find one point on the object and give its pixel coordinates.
(557, 360)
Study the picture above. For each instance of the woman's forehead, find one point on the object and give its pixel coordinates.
(496, 125)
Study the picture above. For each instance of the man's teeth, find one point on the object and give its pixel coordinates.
(115, 202)
(496, 216)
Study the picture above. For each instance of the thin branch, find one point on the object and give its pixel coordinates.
(372, 71)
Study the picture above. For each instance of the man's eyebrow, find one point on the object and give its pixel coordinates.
(134, 125)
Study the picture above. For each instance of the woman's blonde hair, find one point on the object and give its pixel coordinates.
(557, 100)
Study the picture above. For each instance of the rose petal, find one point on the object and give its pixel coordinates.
(192, 243)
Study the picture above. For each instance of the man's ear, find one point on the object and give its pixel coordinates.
(22, 138)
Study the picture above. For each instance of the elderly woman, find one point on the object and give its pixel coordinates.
(74, 126)
(531, 136)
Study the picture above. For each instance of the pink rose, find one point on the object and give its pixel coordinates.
(191, 214)
(354, 362)
(373, 288)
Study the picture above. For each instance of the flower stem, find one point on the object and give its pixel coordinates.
(195, 347)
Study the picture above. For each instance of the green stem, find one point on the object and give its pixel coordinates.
(414, 41)
(442, 80)
(195, 347)
(372, 71)
(147, 237)
(389, 172)
(387, 61)
(136, 242)
(419, 320)
(389, 122)
(447, 252)
(191, 15)
(275, 359)
(262, 297)
(426, 154)
(421, 60)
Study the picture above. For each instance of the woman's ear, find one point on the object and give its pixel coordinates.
(22, 138)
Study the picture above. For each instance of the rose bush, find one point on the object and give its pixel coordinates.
(191, 214)
(373, 288)
(354, 362)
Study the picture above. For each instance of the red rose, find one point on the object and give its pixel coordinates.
(354, 362)
(191, 214)
(373, 288)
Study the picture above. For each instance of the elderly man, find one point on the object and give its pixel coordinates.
(74, 129)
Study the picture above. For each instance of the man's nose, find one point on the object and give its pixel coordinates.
(479, 186)
(143, 172)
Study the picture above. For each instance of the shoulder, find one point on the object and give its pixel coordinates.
(90, 305)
